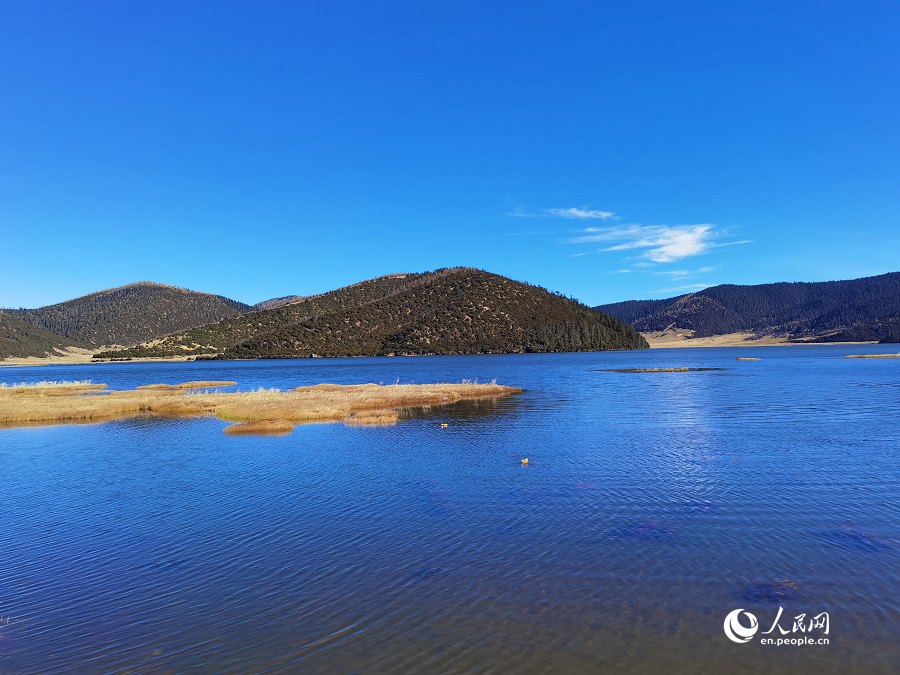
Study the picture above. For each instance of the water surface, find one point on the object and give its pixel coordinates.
(653, 504)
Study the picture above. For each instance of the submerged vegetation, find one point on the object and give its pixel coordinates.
(260, 411)
(872, 356)
(193, 384)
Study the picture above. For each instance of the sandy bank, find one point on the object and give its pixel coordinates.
(683, 338)
(75, 355)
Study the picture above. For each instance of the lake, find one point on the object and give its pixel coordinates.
(652, 506)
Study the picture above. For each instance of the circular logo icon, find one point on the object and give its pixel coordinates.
(736, 631)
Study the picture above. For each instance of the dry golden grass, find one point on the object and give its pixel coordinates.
(373, 418)
(50, 384)
(50, 388)
(261, 428)
(267, 409)
(872, 356)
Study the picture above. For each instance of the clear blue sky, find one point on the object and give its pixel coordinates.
(608, 150)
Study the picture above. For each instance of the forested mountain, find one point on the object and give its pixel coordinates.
(274, 303)
(19, 338)
(217, 337)
(884, 329)
(856, 310)
(451, 311)
(129, 315)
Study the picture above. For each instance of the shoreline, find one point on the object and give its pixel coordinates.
(684, 338)
(81, 357)
(663, 340)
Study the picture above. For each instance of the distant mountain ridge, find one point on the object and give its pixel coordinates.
(449, 311)
(866, 309)
(126, 315)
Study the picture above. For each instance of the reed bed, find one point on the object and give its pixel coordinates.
(260, 428)
(47, 384)
(49, 388)
(260, 411)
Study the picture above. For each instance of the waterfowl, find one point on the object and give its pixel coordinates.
(525, 462)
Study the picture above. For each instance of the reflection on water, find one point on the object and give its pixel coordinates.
(652, 505)
(476, 411)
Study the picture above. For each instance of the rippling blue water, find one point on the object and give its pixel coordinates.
(652, 506)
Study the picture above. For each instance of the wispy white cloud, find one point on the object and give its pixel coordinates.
(521, 212)
(662, 243)
(731, 243)
(652, 245)
(571, 213)
(580, 214)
